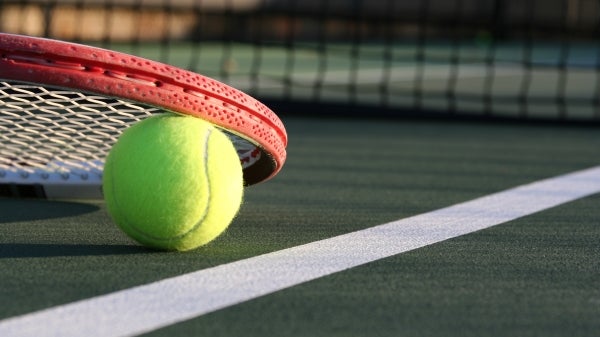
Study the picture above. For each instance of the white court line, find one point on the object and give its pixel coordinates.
(149, 307)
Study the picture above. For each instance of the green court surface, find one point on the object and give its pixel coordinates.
(534, 276)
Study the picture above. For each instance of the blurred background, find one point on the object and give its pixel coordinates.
(485, 59)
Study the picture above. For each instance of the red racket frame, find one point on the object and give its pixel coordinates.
(95, 70)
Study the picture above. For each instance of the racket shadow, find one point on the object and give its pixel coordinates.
(28, 250)
(18, 210)
(31, 210)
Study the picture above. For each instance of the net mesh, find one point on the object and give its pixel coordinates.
(522, 60)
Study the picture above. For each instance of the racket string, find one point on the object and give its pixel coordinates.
(47, 131)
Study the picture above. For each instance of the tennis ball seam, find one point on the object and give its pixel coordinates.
(205, 213)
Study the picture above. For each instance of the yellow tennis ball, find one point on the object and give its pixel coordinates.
(173, 182)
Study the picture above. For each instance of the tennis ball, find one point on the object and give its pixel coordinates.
(173, 182)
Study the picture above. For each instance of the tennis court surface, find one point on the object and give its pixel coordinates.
(442, 177)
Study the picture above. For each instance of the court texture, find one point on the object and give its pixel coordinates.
(432, 188)
(531, 275)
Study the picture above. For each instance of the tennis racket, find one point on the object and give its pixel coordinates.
(63, 106)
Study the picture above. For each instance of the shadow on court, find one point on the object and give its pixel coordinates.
(15, 210)
(50, 215)
(12, 250)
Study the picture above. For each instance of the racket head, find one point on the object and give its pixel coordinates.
(52, 91)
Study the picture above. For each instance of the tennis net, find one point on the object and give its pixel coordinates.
(503, 59)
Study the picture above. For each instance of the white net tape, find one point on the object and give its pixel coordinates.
(47, 132)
